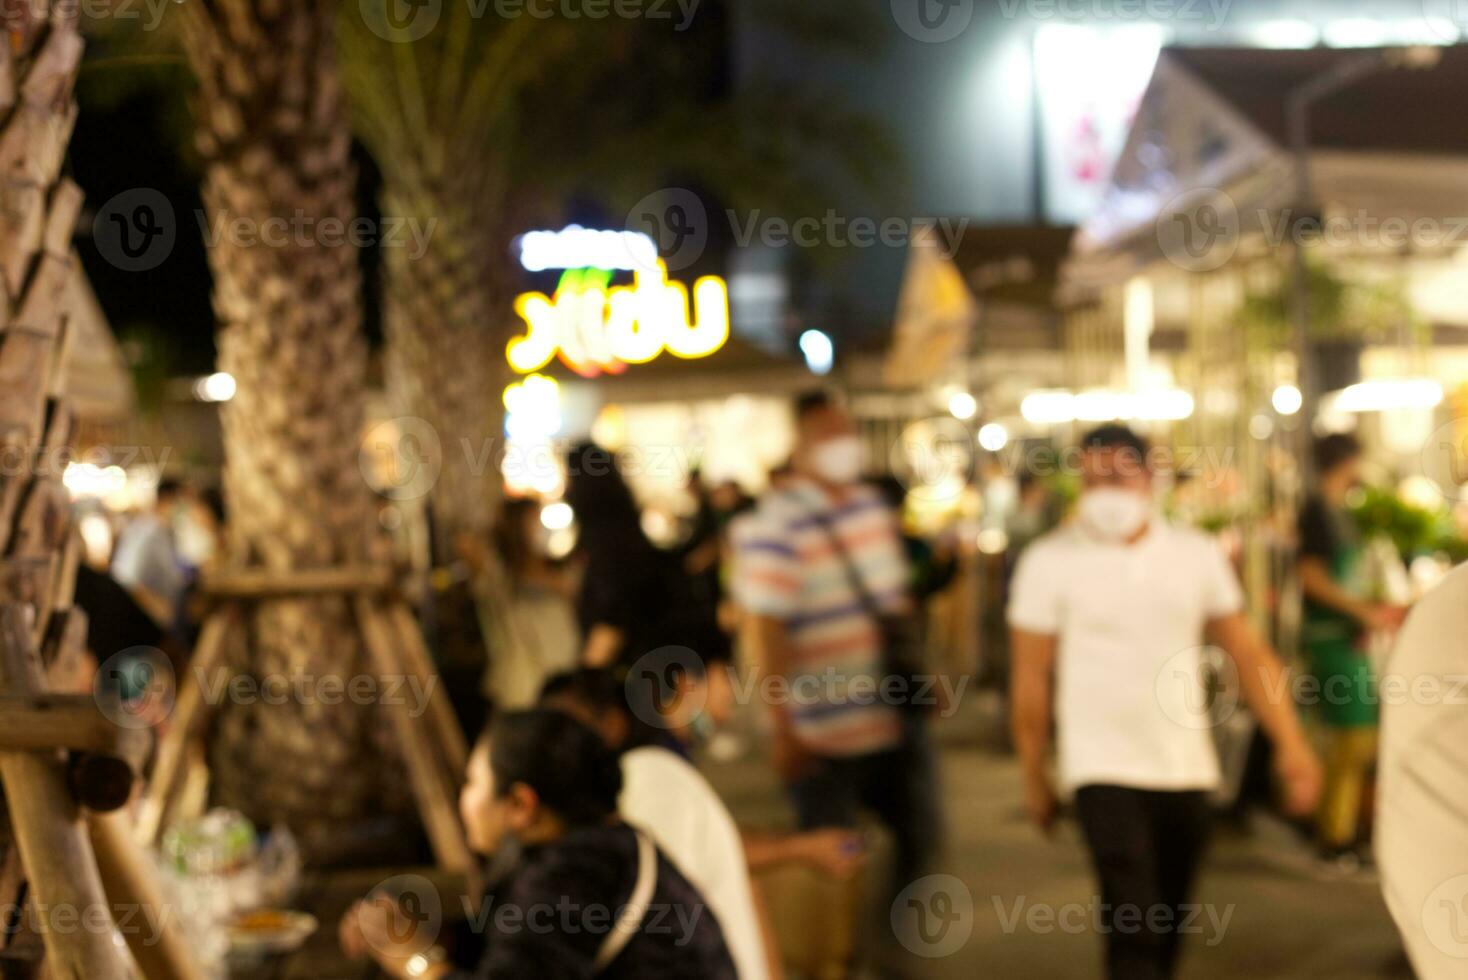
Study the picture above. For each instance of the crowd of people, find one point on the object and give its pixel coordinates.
(610, 669)
(583, 788)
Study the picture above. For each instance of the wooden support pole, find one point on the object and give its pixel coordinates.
(189, 712)
(152, 932)
(450, 734)
(436, 802)
(50, 835)
(65, 721)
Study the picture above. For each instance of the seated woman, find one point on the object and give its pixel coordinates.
(588, 897)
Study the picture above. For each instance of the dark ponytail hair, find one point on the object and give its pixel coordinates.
(570, 768)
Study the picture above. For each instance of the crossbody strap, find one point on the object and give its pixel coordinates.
(635, 911)
(853, 574)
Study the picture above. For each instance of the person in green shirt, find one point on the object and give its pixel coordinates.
(1339, 616)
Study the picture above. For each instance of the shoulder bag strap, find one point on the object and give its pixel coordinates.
(635, 911)
(853, 574)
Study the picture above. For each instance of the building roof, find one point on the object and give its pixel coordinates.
(1399, 109)
(1013, 263)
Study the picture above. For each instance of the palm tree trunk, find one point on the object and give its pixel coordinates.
(444, 313)
(276, 144)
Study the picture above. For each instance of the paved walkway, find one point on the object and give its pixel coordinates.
(1273, 916)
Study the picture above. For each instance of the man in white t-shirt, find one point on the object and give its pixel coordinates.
(1110, 617)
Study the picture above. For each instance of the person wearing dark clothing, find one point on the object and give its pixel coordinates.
(1339, 618)
(635, 598)
(588, 896)
(621, 605)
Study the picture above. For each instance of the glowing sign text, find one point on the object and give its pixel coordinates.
(596, 328)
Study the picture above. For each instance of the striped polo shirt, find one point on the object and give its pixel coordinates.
(786, 567)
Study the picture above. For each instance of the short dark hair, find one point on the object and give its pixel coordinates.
(1114, 436)
(1333, 450)
(595, 687)
(168, 487)
(812, 402)
(571, 769)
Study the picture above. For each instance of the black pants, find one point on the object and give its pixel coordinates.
(1146, 847)
(899, 786)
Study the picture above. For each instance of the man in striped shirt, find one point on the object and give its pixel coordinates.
(841, 741)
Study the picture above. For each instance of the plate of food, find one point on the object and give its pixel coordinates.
(264, 931)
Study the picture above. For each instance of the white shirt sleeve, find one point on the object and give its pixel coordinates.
(672, 801)
(1034, 597)
(1222, 594)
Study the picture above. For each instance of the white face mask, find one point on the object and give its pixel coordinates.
(1114, 514)
(837, 460)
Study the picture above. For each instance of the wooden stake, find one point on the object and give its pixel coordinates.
(189, 712)
(435, 800)
(49, 832)
(131, 881)
(440, 710)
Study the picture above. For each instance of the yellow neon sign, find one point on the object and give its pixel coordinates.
(598, 329)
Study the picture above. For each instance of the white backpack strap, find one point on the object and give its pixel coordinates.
(635, 911)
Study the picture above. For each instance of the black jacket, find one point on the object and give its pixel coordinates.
(551, 918)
